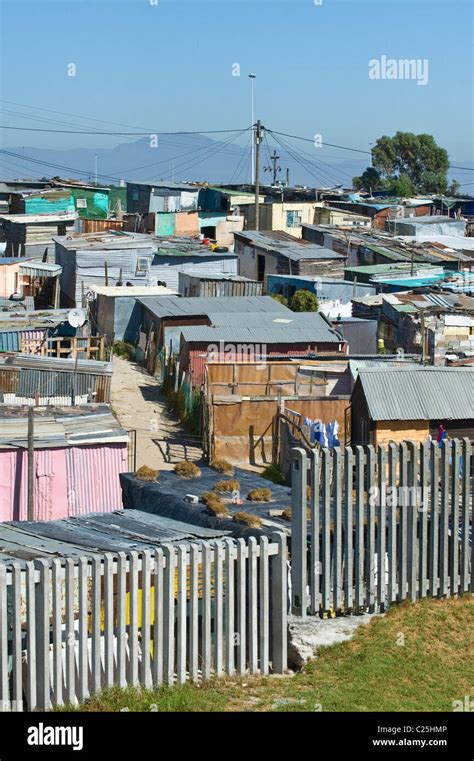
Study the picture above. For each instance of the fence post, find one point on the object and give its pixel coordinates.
(181, 642)
(145, 667)
(17, 675)
(96, 661)
(31, 637)
(454, 555)
(169, 614)
(158, 624)
(423, 522)
(314, 532)
(359, 528)
(444, 523)
(279, 606)
(264, 604)
(465, 511)
(412, 515)
(381, 524)
(299, 532)
(433, 559)
(326, 530)
(337, 532)
(370, 566)
(392, 523)
(42, 636)
(348, 529)
(4, 627)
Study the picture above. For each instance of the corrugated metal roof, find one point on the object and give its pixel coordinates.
(90, 535)
(425, 393)
(201, 305)
(266, 332)
(293, 250)
(60, 426)
(40, 269)
(30, 361)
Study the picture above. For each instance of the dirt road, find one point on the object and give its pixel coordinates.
(139, 405)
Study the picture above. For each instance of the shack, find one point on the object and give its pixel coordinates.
(396, 404)
(279, 253)
(79, 453)
(31, 380)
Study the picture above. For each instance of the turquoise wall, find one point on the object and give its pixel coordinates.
(45, 205)
(164, 223)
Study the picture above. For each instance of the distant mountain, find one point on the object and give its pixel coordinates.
(182, 158)
(195, 157)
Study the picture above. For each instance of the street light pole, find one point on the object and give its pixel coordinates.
(252, 77)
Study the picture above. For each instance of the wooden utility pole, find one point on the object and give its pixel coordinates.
(258, 140)
(275, 168)
(287, 178)
(423, 337)
(31, 465)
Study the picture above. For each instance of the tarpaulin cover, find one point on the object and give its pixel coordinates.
(167, 497)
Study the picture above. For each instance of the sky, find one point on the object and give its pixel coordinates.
(169, 65)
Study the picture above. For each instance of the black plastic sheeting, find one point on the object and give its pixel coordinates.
(167, 497)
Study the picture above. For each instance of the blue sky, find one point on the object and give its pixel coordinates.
(169, 67)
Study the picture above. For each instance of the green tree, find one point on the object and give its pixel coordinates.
(281, 299)
(304, 301)
(369, 180)
(416, 158)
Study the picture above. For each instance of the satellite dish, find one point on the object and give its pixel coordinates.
(76, 318)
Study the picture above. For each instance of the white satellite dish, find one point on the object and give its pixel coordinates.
(76, 318)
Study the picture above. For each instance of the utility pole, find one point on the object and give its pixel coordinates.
(423, 337)
(275, 168)
(287, 177)
(31, 466)
(258, 139)
(252, 77)
(95, 169)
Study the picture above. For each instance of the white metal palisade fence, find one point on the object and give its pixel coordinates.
(70, 627)
(379, 525)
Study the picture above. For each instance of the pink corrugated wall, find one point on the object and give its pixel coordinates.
(92, 478)
(73, 481)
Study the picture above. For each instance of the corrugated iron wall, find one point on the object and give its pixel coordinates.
(92, 478)
(68, 481)
(27, 382)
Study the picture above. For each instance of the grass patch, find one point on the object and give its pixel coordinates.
(187, 470)
(146, 474)
(260, 495)
(273, 473)
(222, 466)
(227, 486)
(420, 657)
(252, 521)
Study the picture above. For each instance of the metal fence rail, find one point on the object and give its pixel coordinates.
(70, 627)
(372, 526)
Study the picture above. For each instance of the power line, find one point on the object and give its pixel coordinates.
(309, 140)
(317, 173)
(123, 134)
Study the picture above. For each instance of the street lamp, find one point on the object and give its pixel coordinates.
(252, 77)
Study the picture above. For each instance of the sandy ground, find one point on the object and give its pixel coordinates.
(139, 405)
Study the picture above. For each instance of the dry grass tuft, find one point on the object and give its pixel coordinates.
(227, 486)
(252, 521)
(260, 495)
(187, 469)
(144, 473)
(222, 466)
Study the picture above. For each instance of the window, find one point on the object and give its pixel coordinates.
(81, 203)
(294, 218)
(135, 195)
(143, 266)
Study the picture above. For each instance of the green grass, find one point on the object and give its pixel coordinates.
(273, 473)
(420, 657)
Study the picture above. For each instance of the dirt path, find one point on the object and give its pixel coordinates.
(139, 405)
